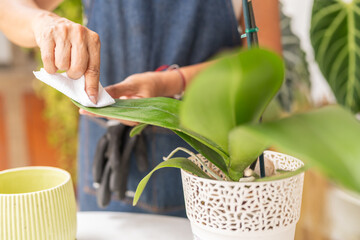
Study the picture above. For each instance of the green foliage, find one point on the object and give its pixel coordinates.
(335, 37)
(327, 138)
(138, 129)
(230, 94)
(218, 159)
(71, 9)
(182, 163)
(282, 175)
(230, 99)
(161, 112)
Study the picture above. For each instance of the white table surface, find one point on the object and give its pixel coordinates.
(131, 226)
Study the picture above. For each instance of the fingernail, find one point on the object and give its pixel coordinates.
(123, 97)
(93, 99)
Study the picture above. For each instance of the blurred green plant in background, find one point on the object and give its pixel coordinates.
(60, 113)
(335, 37)
(294, 95)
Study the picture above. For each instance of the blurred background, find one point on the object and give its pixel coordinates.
(38, 126)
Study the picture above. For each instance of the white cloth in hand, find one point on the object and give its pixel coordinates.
(74, 89)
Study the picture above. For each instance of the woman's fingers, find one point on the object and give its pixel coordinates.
(129, 88)
(79, 61)
(62, 53)
(128, 123)
(84, 112)
(112, 90)
(140, 85)
(92, 73)
(70, 47)
(47, 49)
(79, 52)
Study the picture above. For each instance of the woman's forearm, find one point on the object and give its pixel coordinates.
(176, 81)
(64, 45)
(17, 16)
(267, 18)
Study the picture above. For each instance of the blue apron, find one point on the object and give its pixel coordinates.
(138, 36)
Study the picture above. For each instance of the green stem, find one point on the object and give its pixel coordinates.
(210, 171)
(247, 22)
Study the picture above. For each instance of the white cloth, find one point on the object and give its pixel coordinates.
(74, 89)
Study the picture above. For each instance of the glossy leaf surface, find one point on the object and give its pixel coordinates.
(327, 138)
(161, 112)
(233, 91)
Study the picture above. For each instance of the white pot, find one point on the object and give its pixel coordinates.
(343, 214)
(223, 210)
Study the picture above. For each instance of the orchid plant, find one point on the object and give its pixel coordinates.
(219, 117)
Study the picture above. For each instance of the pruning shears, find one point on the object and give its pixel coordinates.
(111, 165)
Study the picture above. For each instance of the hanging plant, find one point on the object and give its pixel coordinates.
(295, 93)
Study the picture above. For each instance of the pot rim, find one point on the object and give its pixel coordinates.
(30, 168)
(262, 182)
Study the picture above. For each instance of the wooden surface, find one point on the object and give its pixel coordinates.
(312, 224)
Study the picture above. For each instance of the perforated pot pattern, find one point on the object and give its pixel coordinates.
(245, 207)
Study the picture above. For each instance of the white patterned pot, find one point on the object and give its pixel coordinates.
(224, 210)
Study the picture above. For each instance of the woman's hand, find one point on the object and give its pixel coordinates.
(69, 47)
(153, 84)
(142, 85)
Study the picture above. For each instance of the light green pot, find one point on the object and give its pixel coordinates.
(37, 203)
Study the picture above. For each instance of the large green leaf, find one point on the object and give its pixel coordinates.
(162, 112)
(244, 150)
(283, 175)
(335, 36)
(328, 138)
(233, 91)
(182, 163)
